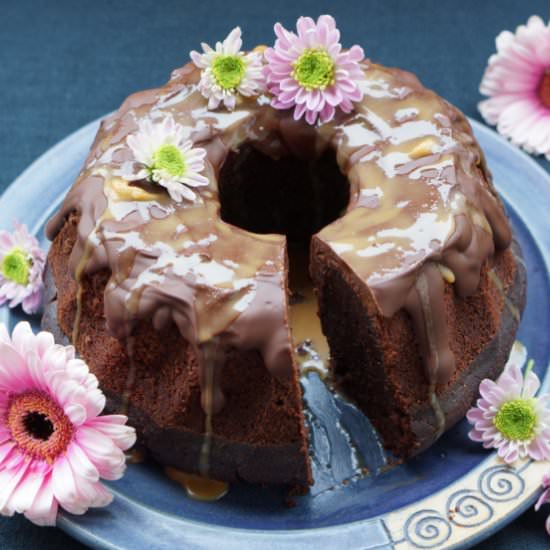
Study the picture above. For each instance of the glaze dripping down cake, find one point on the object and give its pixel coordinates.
(181, 308)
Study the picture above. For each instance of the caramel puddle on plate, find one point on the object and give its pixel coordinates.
(311, 346)
(137, 455)
(197, 487)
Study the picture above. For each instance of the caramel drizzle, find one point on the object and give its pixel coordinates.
(130, 376)
(310, 344)
(89, 248)
(423, 291)
(212, 360)
(79, 290)
(500, 287)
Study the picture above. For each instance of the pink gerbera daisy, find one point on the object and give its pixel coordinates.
(509, 418)
(310, 71)
(54, 446)
(22, 264)
(517, 81)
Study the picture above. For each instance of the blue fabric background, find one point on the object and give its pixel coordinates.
(66, 62)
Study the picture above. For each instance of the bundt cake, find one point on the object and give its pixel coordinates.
(181, 307)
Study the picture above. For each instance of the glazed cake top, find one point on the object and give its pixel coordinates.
(422, 210)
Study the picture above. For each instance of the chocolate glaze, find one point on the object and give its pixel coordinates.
(420, 196)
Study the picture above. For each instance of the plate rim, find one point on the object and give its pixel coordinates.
(391, 522)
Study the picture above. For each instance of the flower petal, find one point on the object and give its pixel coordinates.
(43, 511)
(81, 464)
(102, 452)
(64, 487)
(27, 490)
(531, 385)
(13, 369)
(9, 480)
(113, 426)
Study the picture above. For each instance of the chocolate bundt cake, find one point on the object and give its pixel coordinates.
(181, 308)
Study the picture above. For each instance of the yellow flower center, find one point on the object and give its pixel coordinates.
(314, 69)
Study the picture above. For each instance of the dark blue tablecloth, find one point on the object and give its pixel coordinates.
(66, 62)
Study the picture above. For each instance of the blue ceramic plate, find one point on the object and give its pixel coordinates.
(455, 494)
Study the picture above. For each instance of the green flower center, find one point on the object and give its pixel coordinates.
(16, 266)
(228, 71)
(169, 159)
(516, 420)
(314, 69)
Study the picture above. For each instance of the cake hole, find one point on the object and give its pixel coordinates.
(288, 196)
(295, 198)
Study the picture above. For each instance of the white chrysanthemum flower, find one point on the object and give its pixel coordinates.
(228, 72)
(162, 155)
(510, 418)
(22, 263)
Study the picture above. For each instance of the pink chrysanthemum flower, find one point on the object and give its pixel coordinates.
(310, 72)
(517, 81)
(509, 418)
(22, 264)
(162, 155)
(54, 446)
(545, 498)
(227, 72)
